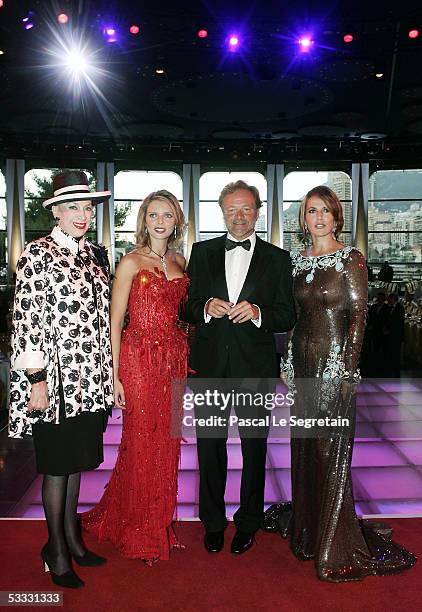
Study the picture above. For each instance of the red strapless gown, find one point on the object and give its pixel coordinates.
(137, 508)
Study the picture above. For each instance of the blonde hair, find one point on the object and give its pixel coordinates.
(141, 234)
(333, 203)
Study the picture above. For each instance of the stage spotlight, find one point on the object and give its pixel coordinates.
(348, 38)
(62, 18)
(379, 75)
(414, 33)
(78, 66)
(1, 52)
(234, 42)
(159, 71)
(134, 29)
(28, 21)
(305, 43)
(202, 33)
(76, 62)
(1, 3)
(110, 33)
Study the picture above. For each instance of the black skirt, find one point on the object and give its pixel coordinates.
(73, 445)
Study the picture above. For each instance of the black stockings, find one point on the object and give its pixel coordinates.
(60, 498)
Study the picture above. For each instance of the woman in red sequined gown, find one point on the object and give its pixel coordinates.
(137, 508)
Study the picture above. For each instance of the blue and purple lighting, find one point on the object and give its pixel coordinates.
(234, 42)
(28, 22)
(305, 43)
(110, 33)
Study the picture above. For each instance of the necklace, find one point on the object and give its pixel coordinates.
(162, 259)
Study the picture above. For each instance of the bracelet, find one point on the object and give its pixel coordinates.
(37, 377)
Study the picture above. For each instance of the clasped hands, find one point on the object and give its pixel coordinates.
(239, 313)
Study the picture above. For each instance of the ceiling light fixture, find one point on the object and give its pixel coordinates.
(305, 43)
(234, 42)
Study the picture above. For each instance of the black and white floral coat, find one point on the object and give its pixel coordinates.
(61, 322)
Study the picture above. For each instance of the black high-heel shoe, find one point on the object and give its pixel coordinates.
(69, 579)
(89, 559)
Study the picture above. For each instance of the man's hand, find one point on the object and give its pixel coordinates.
(218, 308)
(38, 399)
(244, 311)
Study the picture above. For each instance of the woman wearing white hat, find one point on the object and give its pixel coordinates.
(61, 369)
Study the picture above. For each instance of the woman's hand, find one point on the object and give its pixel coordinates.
(38, 399)
(284, 377)
(119, 394)
(348, 389)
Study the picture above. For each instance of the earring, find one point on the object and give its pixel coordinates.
(175, 231)
(146, 230)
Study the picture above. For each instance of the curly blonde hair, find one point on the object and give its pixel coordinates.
(141, 235)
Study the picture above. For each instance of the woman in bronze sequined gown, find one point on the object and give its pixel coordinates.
(137, 508)
(330, 287)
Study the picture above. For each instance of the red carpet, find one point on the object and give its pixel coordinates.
(267, 577)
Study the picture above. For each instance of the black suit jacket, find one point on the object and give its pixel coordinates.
(250, 350)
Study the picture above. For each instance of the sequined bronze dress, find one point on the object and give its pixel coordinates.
(137, 508)
(331, 299)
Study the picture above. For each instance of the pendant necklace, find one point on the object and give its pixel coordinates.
(162, 259)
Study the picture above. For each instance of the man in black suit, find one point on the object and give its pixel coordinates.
(240, 295)
(386, 273)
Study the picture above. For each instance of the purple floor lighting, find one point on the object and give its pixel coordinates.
(387, 461)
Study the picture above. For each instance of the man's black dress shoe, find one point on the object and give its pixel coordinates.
(214, 541)
(241, 542)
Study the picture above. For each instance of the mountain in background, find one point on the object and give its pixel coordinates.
(293, 210)
(406, 185)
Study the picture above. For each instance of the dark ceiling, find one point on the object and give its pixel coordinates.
(265, 99)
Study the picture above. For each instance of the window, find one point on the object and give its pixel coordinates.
(395, 221)
(295, 187)
(211, 222)
(38, 187)
(130, 189)
(3, 231)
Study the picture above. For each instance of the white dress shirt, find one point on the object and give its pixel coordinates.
(237, 262)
